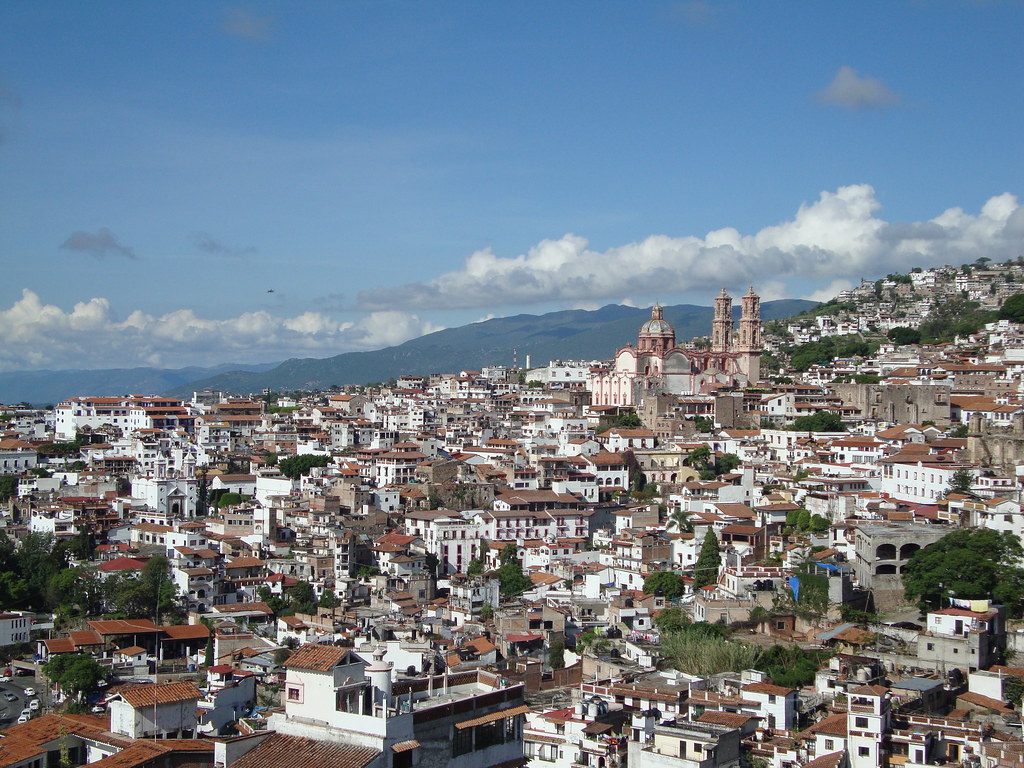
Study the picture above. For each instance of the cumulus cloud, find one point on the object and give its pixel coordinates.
(239, 22)
(39, 335)
(852, 90)
(207, 243)
(99, 244)
(837, 236)
(828, 292)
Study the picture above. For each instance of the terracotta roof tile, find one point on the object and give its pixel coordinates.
(318, 658)
(149, 695)
(282, 751)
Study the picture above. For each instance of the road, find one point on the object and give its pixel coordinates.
(11, 710)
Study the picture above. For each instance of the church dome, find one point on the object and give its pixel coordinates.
(657, 325)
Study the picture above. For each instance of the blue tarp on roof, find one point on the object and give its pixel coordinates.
(794, 584)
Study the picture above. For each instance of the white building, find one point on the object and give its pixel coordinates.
(15, 628)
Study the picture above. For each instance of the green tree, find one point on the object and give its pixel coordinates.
(812, 353)
(297, 466)
(961, 481)
(229, 499)
(679, 518)
(14, 590)
(703, 424)
(36, 561)
(866, 378)
(726, 463)
(822, 421)
(951, 318)
(971, 564)
(275, 602)
(329, 599)
(700, 458)
(709, 560)
(904, 335)
(803, 520)
(1013, 690)
(671, 619)
(83, 546)
(486, 612)
(75, 593)
(151, 592)
(1013, 309)
(556, 655)
(76, 673)
(627, 420)
(791, 666)
(818, 524)
(512, 580)
(202, 492)
(670, 584)
(302, 598)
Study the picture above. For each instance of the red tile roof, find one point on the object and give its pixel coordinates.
(318, 658)
(282, 751)
(168, 693)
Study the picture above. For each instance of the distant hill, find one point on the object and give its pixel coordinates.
(45, 387)
(568, 335)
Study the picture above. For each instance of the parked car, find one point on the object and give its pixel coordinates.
(30, 691)
(26, 712)
(33, 705)
(10, 696)
(5, 679)
(24, 719)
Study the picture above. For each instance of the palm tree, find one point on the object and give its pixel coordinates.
(679, 519)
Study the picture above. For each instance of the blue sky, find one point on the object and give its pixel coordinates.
(390, 168)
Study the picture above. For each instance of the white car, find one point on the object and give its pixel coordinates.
(30, 691)
(23, 719)
(4, 679)
(33, 705)
(26, 712)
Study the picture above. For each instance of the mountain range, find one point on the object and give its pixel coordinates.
(567, 335)
(575, 334)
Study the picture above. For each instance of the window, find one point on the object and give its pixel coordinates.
(860, 722)
(864, 751)
(294, 694)
(931, 646)
(462, 744)
(829, 744)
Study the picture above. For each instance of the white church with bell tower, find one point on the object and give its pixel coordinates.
(657, 365)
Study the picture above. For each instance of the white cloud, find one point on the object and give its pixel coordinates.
(38, 335)
(852, 90)
(828, 292)
(839, 236)
(239, 22)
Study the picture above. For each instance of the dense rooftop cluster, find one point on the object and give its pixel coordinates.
(816, 565)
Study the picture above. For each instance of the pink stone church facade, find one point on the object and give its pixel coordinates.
(657, 365)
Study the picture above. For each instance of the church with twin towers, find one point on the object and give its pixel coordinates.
(657, 365)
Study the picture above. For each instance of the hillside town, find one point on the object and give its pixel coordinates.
(788, 544)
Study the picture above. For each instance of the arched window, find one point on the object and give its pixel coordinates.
(885, 552)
